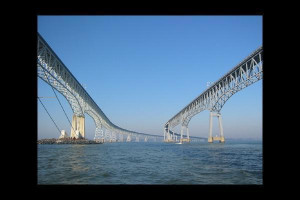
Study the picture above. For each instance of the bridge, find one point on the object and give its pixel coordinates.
(175, 137)
(247, 72)
(53, 71)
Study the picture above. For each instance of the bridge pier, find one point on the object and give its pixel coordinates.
(119, 137)
(112, 137)
(168, 135)
(128, 138)
(187, 139)
(211, 138)
(181, 133)
(187, 134)
(172, 136)
(78, 128)
(99, 136)
(106, 135)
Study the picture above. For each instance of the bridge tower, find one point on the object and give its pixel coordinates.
(78, 127)
(221, 137)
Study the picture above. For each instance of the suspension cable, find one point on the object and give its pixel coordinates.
(58, 100)
(49, 115)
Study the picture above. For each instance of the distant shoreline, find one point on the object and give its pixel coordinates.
(67, 141)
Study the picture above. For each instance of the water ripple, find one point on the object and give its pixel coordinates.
(150, 163)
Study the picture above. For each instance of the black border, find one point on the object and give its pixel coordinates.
(29, 147)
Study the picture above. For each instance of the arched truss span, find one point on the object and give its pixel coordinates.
(52, 70)
(247, 72)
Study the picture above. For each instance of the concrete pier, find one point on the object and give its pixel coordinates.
(211, 138)
(63, 134)
(169, 140)
(185, 140)
(220, 139)
(78, 124)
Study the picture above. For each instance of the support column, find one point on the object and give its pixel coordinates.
(120, 137)
(181, 133)
(112, 137)
(98, 134)
(210, 139)
(115, 137)
(187, 139)
(172, 136)
(221, 128)
(107, 135)
(128, 138)
(168, 133)
(78, 124)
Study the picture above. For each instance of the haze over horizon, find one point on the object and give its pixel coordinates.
(142, 70)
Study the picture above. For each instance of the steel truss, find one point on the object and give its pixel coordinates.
(247, 72)
(52, 70)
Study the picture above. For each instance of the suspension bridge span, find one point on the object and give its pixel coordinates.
(247, 72)
(52, 70)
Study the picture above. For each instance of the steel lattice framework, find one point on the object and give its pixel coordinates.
(247, 72)
(52, 70)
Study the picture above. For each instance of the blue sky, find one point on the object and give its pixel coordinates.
(142, 70)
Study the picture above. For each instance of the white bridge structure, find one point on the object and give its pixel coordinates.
(52, 70)
(247, 72)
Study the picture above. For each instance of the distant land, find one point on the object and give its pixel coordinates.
(244, 139)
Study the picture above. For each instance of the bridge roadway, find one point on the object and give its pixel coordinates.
(53, 71)
(247, 72)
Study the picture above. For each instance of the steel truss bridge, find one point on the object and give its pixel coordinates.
(52, 70)
(247, 72)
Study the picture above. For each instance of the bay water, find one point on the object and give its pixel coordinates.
(232, 162)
